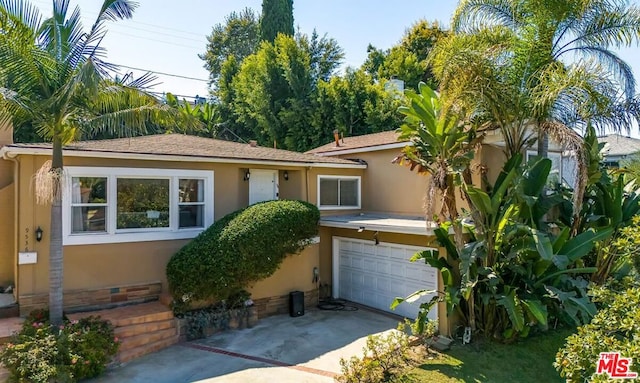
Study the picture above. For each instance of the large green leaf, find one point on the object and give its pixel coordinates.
(543, 244)
(511, 303)
(442, 235)
(480, 200)
(580, 270)
(536, 177)
(536, 309)
(581, 245)
(411, 297)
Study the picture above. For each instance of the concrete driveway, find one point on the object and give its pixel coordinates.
(278, 349)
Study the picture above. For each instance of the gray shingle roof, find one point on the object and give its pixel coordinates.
(617, 145)
(189, 146)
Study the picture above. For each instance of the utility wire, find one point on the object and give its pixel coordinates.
(158, 41)
(163, 73)
(84, 12)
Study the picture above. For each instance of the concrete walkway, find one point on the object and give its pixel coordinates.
(278, 349)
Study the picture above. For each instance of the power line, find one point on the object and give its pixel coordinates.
(126, 26)
(155, 32)
(163, 73)
(150, 39)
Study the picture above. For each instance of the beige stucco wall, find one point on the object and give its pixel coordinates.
(388, 187)
(7, 259)
(105, 265)
(7, 204)
(492, 159)
(295, 273)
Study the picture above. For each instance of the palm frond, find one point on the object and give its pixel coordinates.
(614, 64)
(473, 15)
(21, 12)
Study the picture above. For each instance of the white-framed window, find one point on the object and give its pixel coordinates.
(339, 192)
(113, 205)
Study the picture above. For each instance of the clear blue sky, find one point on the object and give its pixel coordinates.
(167, 36)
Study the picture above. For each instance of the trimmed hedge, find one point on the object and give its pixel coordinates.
(243, 247)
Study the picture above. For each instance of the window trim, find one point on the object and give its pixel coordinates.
(114, 235)
(338, 207)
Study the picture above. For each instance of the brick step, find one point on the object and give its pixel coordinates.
(136, 352)
(143, 328)
(10, 311)
(166, 299)
(129, 315)
(147, 338)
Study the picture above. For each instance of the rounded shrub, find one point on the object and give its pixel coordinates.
(243, 247)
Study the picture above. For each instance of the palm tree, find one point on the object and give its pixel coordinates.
(53, 75)
(552, 33)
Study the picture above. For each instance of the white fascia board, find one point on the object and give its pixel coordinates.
(12, 152)
(382, 228)
(395, 145)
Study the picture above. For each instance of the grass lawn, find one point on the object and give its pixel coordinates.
(527, 361)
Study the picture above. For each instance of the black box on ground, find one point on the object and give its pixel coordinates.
(296, 303)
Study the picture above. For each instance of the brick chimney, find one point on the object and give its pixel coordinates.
(253, 143)
(336, 137)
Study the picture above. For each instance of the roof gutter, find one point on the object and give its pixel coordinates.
(12, 152)
(395, 145)
(381, 228)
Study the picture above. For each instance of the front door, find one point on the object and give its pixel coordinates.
(263, 185)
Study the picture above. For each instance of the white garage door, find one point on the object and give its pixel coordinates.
(374, 275)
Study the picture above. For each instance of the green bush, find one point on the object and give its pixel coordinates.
(73, 351)
(616, 327)
(384, 358)
(241, 248)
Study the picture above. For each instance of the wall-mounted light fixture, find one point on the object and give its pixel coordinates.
(285, 175)
(247, 175)
(375, 238)
(360, 229)
(39, 234)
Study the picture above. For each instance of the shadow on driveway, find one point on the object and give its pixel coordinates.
(278, 349)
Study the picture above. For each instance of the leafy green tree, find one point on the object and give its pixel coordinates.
(274, 91)
(56, 78)
(407, 60)
(277, 17)
(238, 36)
(355, 104)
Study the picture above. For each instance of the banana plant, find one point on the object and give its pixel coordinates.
(512, 275)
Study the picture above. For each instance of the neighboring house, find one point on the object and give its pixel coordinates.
(130, 204)
(617, 148)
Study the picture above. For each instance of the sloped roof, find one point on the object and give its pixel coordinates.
(183, 146)
(358, 142)
(617, 145)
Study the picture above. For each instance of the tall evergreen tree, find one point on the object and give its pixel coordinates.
(277, 17)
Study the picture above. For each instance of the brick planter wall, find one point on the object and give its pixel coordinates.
(280, 304)
(76, 300)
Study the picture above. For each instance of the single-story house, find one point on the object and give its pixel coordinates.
(129, 204)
